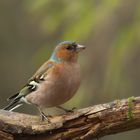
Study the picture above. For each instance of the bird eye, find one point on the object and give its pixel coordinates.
(70, 48)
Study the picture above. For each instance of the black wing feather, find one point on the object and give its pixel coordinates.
(12, 97)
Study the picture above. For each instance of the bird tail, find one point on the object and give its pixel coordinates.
(12, 106)
(15, 103)
(17, 99)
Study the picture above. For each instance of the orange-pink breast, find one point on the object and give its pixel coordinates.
(60, 85)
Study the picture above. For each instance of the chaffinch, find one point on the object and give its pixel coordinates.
(55, 82)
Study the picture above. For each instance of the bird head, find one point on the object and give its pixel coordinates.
(67, 51)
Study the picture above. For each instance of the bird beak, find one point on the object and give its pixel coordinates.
(80, 48)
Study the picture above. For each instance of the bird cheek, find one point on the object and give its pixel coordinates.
(62, 54)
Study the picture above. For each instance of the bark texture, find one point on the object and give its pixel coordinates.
(88, 123)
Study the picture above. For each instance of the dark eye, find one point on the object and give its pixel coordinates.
(70, 48)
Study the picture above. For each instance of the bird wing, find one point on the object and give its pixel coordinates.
(32, 85)
(42, 71)
(33, 82)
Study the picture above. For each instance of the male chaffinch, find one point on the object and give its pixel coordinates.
(56, 81)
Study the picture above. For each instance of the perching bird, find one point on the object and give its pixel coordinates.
(56, 81)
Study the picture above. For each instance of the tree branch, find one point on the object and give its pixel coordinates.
(92, 122)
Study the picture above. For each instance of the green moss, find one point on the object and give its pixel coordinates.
(130, 114)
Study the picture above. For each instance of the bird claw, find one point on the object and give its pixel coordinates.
(71, 110)
(67, 110)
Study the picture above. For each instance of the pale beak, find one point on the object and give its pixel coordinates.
(80, 48)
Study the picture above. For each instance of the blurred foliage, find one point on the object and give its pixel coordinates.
(110, 29)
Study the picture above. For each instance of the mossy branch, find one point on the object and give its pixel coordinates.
(92, 122)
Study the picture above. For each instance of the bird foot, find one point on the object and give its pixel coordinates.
(70, 110)
(67, 110)
(45, 117)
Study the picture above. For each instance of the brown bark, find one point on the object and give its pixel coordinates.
(92, 122)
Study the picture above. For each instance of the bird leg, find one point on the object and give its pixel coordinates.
(44, 116)
(66, 110)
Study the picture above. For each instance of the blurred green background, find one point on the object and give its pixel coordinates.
(29, 30)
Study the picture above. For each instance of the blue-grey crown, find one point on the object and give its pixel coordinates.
(67, 43)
